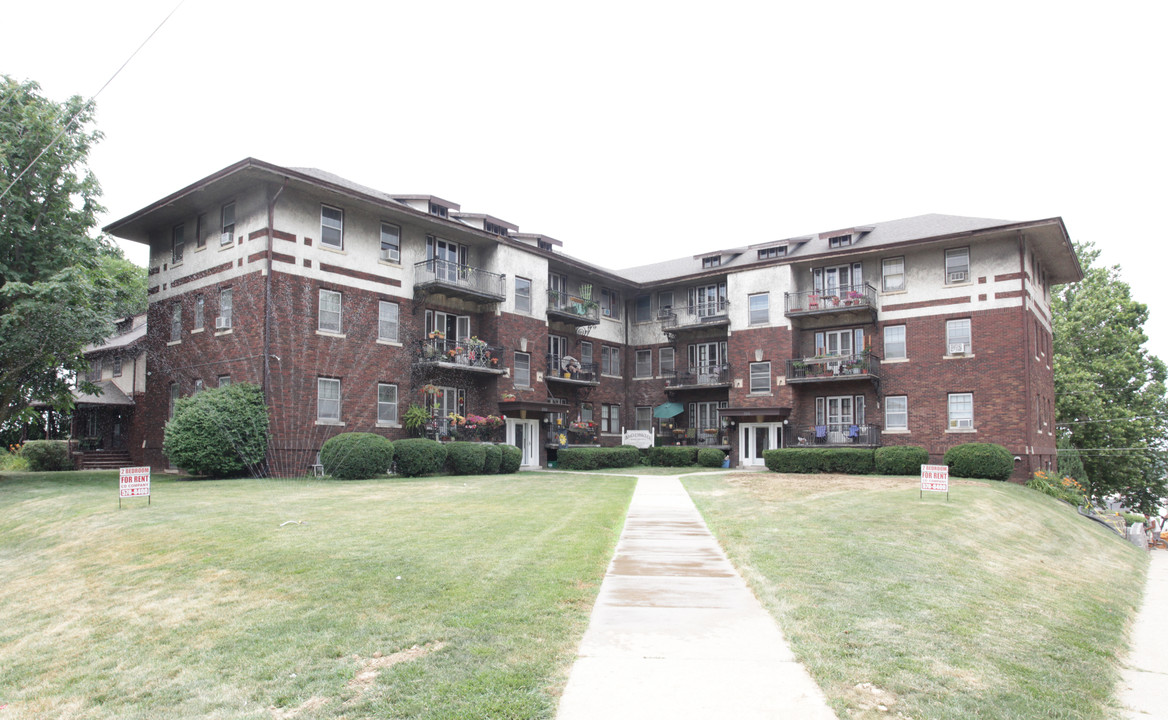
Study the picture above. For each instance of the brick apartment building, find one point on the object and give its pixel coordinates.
(347, 305)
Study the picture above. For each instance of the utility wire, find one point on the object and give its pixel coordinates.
(88, 103)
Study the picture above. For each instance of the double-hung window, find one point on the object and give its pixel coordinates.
(760, 309)
(386, 404)
(176, 322)
(198, 312)
(892, 274)
(522, 295)
(895, 346)
(960, 411)
(329, 317)
(609, 418)
(332, 226)
(644, 366)
(390, 243)
(522, 369)
(665, 361)
(610, 361)
(643, 308)
(760, 377)
(896, 412)
(328, 400)
(387, 321)
(227, 224)
(957, 266)
(644, 417)
(177, 242)
(958, 337)
(223, 322)
(610, 303)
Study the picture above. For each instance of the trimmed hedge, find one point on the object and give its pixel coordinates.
(901, 460)
(980, 460)
(627, 456)
(597, 458)
(512, 458)
(356, 456)
(219, 432)
(466, 458)
(673, 456)
(492, 457)
(47, 455)
(711, 457)
(419, 456)
(852, 461)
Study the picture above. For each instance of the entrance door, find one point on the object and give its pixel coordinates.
(524, 434)
(756, 438)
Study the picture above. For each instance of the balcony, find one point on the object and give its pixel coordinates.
(714, 313)
(834, 435)
(847, 301)
(570, 371)
(460, 281)
(695, 436)
(469, 354)
(572, 309)
(700, 377)
(834, 368)
(577, 434)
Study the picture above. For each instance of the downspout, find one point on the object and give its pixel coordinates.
(1029, 435)
(268, 290)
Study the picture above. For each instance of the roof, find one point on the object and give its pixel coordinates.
(122, 341)
(110, 395)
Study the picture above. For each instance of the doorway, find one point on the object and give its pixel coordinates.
(757, 438)
(524, 434)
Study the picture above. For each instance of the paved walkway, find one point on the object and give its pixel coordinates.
(677, 634)
(1143, 689)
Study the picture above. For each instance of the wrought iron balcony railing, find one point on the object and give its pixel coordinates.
(702, 314)
(699, 376)
(845, 298)
(569, 369)
(696, 436)
(469, 353)
(462, 280)
(573, 309)
(833, 367)
(834, 435)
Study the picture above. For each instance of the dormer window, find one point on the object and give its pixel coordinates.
(772, 252)
(712, 261)
(439, 210)
(543, 245)
(495, 229)
(839, 241)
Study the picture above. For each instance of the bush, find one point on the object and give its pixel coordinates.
(1070, 464)
(356, 456)
(47, 455)
(980, 460)
(672, 456)
(901, 460)
(626, 456)
(1067, 488)
(465, 458)
(419, 456)
(511, 460)
(12, 461)
(711, 457)
(597, 458)
(851, 461)
(492, 457)
(219, 432)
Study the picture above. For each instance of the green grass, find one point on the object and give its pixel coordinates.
(644, 470)
(1001, 603)
(202, 605)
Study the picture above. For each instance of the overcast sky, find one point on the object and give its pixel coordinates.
(641, 131)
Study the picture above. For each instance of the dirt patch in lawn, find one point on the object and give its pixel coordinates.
(371, 667)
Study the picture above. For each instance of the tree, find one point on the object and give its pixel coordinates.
(1110, 392)
(220, 432)
(60, 287)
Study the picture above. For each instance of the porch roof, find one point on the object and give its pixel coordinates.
(111, 395)
(780, 412)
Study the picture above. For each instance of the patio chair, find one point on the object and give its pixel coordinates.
(820, 433)
(854, 433)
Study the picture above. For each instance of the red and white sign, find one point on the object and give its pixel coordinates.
(134, 482)
(935, 477)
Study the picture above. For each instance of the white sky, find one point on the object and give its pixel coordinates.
(641, 131)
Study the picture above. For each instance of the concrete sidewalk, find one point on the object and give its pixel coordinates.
(1143, 689)
(676, 633)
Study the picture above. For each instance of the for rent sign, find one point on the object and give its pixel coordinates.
(134, 482)
(935, 478)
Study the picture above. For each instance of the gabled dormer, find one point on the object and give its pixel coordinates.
(431, 204)
(839, 239)
(543, 242)
(486, 223)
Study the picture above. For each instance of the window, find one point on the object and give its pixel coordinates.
(328, 400)
(117, 360)
(225, 299)
(543, 245)
(760, 377)
(586, 412)
(834, 281)
(386, 404)
(332, 226)
(712, 261)
(522, 369)
(893, 274)
(665, 304)
(772, 252)
(586, 358)
(957, 337)
(760, 309)
(198, 312)
(960, 411)
(705, 416)
(390, 243)
(94, 373)
(838, 343)
(173, 400)
(224, 380)
(708, 301)
(665, 361)
(643, 309)
(387, 326)
(522, 295)
(329, 312)
(644, 418)
(609, 418)
(610, 361)
(176, 244)
(894, 342)
(227, 224)
(176, 323)
(610, 303)
(839, 241)
(956, 265)
(896, 412)
(200, 226)
(644, 367)
(557, 349)
(436, 209)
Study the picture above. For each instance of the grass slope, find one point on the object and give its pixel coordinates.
(436, 598)
(1001, 603)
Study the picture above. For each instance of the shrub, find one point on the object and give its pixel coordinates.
(672, 456)
(47, 455)
(219, 432)
(13, 461)
(1067, 488)
(465, 458)
(419, 456)
(852, 461)
(1070, 464)
(356, 456)
(597, 458)
(492, 457)
(625, 456)
(901, 460)
(512, 459)
(711, 457)
(980, 460)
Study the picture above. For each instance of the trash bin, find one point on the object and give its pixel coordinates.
(726, 462)
(553, 464)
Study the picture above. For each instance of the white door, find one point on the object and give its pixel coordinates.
(524, 434)
(755, 439)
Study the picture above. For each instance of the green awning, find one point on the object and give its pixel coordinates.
(668, 410)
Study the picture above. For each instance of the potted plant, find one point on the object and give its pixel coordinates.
(416, 418)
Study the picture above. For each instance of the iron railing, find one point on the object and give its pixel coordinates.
(566, 367)
(834, 435)
(712, 312)
(698, 376)
(573, 308)
(834, 367)
(696, 436)
(453, 275)
(860, 296)
(469, 353)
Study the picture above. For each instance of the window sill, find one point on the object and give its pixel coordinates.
(617, 377)
(329, 333)
(893, 361)
(227, 246)
(391, 343)
(228, 331)
(330, 423)
(754, 393)
(958, 357)
(961, 431)
(894, 292)
(610, 318)
(394, 426)
(330, 248)
(173, 343)
(200, 248)
(196, 331)
(644, 377)
(390, 263)
(967, 283)
(897, 431)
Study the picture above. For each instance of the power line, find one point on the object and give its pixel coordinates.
(87, 104)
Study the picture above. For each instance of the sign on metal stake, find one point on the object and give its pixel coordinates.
(133, 482)
(935, 478)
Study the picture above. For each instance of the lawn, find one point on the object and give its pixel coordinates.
(437, 598)
(1000, 603)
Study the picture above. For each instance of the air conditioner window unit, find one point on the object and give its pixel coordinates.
(956, 277)
(222, 323)
(390, 254)
(226, 238)
(956, 348)
(961, 423)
